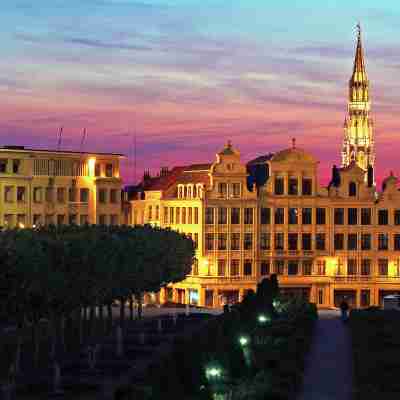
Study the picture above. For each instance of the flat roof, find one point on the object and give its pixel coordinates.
(24, 149)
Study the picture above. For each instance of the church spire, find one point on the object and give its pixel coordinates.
(358, 141)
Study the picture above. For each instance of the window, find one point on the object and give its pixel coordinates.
(235, 241)
(235, 216)
(194, 191)
(396, 244)
(221, 267)
(306, 241)
(222, 215)
(265, 216)
(16, 166)
(306, 216)
(8, 220)
(339, 241)
(339, 216)
(365, 266)
(248, 216)
(72, 219)
(279, 241)
(209, 216)
(293, 186)
(248, 241)
(222, 241)
(190, 215)
(383, 217)
(236, 189)
(195, 267)
(247, 267)
(365, 241)
(84, 195)
(352, 189)
(264, 268)
(171, 215)
(222, 189)
(351, 266)
(292, 241)
(97, 169)
(61, 219)
(320, 296)
(292, 215)
(196, 241)
(84, 219)
(109, 170)
(114, 196)
(293, 267)
(3, 166)
(383, 241)
(183, 215)
(157, 217)
(21, 194)
(102, 219)
(21, 220)
(365, 298)
(307, 186)
(265, 241)
(352, 241)
(320, 241)
(102, 196)
(49, 219)
(352, 216)
(279, 185)
(209, 241)
(37, 195)
(321, 267)
(397, 217)
(61, 195)
(383, 266)
(72, 194)
(37, 220)
(150, 213)
(196, 215)
(320, 217)
(165, 215)
(365, 216)
(279, 216)
(235, 267)
(307, 267)
(279, 267)
(8, 194)
(180, 192)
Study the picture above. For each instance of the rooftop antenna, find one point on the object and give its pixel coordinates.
(60, 132)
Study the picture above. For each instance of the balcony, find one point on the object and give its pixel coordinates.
(220, 280)
(352, 278)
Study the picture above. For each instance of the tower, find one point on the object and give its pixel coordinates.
(358, 142)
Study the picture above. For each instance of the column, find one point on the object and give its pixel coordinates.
(358, 294)
(202, 297)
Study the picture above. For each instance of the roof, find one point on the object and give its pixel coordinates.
(24, 149)
(293, 154)
(261, 159)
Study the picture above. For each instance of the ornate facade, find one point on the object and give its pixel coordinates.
(271, 215)
(43, 187)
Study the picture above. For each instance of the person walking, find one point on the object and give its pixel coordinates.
(344, 308)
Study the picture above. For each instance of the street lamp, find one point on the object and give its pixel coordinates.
(263, 319)
(244, 341)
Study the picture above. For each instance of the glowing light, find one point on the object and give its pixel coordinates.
(243, 340)
(21, 225)
(263, 319)
(213, 372)
(91, 165)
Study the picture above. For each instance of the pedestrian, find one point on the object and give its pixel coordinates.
(344, 308)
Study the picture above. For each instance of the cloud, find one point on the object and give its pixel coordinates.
(104, 45)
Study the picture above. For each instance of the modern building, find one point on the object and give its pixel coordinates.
(271, 215)
(43, 187)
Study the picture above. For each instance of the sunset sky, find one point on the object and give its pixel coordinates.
(187, 75)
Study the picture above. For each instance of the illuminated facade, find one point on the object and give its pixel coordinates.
(358, 142)
(42, 187)
(272, 216)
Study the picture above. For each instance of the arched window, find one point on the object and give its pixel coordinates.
(185, 192)
(194, 191)
(180, 192)
(189, 191)
(352, 189)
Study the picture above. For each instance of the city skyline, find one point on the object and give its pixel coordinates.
(187, 78)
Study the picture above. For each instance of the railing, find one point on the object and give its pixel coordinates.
(353, 278)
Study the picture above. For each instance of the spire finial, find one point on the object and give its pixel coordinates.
(358, 27)
(229, 144)
(293, 143)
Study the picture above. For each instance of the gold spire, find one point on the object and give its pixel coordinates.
(359, 72)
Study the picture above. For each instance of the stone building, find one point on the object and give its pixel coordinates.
(43, 187)
(271, 215)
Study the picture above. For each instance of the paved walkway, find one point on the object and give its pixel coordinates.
(328, 371)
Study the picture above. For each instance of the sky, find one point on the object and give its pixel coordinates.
(186, 76)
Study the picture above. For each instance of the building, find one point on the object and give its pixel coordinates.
(43, 187)
(271, 215)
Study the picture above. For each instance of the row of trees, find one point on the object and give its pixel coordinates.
(59, 272)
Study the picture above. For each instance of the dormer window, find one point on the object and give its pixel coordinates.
(222, 188)
(279, 185)
(352, 189)
(235, 189)
(293, 186)
(306, 186)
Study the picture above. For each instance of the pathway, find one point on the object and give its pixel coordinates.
(328, 370)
